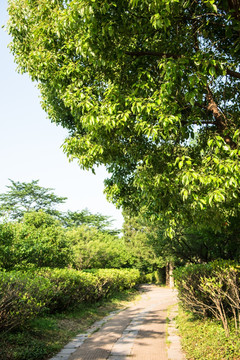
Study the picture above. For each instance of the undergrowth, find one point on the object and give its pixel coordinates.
(204, 339)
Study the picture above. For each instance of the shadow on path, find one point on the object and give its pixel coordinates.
(138, 332)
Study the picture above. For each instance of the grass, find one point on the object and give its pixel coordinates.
(204, 339)
(44, 337)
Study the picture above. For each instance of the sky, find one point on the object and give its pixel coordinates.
(30, 145)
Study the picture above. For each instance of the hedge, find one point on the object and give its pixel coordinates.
(24, 295)
(211, 289)
(73, 286)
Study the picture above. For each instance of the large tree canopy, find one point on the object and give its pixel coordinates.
(148, 88)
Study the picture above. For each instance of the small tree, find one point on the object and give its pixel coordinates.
(93, 248)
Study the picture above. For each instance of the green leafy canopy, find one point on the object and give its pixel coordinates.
(148, 88)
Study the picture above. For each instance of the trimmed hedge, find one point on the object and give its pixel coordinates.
(110, 280)
(25, 295)
(211, 289)
(73, 287)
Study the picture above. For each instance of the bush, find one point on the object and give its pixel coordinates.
(211, 289)
(22, 297)
(110, 280)
(72, 287)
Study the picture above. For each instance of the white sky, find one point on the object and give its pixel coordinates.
(30, 143)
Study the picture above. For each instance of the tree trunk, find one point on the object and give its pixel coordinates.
(169, 275)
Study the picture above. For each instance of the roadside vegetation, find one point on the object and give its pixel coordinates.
(209, 320)
(59, 272)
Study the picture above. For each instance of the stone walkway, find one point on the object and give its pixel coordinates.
(138, 332)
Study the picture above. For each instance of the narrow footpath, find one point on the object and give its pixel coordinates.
(140, 332)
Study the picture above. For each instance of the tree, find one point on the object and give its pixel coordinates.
(148, 88)
(199, 245)
(85, 217)
(93, 248)
(204, 245)
(25, 197)
(41, 241)
(7, 256)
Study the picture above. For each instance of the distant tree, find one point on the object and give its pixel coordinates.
(85, 217)
(93, 248)
(24, 197)
(142, 242)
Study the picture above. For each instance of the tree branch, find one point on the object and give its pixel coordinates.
(234, 5)
(221, 121)
(233, 73)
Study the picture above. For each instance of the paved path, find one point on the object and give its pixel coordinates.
(138, 332)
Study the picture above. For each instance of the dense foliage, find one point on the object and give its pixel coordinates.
(145, 236)
(38, 240)
(7, 236)
(95, 249)
(149, 89)
(198, 244)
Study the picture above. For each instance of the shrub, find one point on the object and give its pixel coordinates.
(110, 280)
(72, 287)
(22, 297)
(211, 289)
